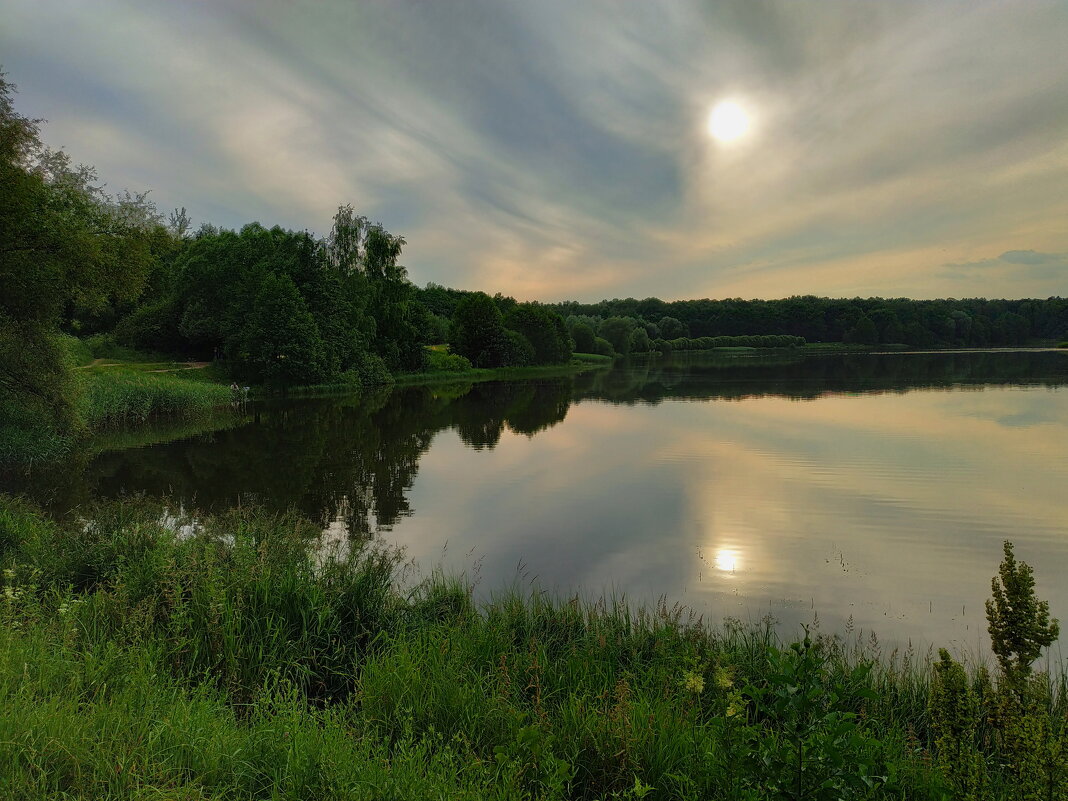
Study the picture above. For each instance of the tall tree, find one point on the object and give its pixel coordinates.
(63, 243)
(281, 344)
(478, 333)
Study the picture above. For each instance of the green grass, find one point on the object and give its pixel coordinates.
(477, 375)
(124, 395)
(238, 663)
(592, 358)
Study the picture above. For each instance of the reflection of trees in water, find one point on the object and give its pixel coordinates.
(351, 462)
(806, 377)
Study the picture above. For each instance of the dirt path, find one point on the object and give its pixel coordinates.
(188, 366)
(108, 363)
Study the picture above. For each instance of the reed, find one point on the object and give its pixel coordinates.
(118, 397)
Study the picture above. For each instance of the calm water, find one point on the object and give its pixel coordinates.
(874, 491)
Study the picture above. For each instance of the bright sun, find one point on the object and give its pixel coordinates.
(728, 121)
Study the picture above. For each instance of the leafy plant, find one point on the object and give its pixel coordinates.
(955, 712)
(1019, 623)
(814, 747)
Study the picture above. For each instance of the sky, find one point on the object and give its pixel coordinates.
(554, 149)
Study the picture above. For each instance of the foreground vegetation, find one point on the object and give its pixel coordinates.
(144, 657)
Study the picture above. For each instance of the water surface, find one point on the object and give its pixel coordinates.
(871, 490)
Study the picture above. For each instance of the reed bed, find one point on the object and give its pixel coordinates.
(118, 397)
(150, 654)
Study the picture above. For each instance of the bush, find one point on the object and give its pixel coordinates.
(441, 361)
(603, 347)
(153, 327)
(78, 352)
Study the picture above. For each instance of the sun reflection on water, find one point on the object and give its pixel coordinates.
(728, 560)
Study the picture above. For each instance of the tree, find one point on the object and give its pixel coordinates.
(345, 244)
(477, 332)
(1019, 624)
(617, 331)
(544, 330)
(63, 243)
(281, 342)
(639, 341)
(583, 337)
(671, 328)
(863, 332)
(180, 223)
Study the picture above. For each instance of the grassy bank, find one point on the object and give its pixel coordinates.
(236, 663)
(576, 365)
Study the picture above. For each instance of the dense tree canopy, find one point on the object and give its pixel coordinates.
(974, 322)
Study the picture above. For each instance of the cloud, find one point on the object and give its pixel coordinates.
(1028, 270)
(557, 150)
(1032, 257)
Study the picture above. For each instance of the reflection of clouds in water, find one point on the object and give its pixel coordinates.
(886, 508)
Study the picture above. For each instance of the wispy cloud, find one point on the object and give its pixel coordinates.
(556, 149)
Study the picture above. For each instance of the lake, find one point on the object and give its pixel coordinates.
(872, 492)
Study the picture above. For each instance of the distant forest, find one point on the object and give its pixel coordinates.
(948, 323)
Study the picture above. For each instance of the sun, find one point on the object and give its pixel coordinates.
(728, 121)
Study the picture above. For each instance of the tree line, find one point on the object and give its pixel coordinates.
(270, 306)
(973, 322)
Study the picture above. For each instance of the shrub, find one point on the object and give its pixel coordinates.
(440, 361)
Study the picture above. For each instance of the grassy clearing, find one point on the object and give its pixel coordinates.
(238, 663)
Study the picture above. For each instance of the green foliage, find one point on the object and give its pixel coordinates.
(863, 333)
(814, 747)
(639, 341)
(617, 331)
(1035, 752)
(603, 347)
(583, 337)
(120, 397)
(280, 342)
(36, 381)
(478, 334)
(152, 327)
(955, 718)
(670, 328)
(710, 343)
(545, 331)
(1019, 624)
(63, 244)
(78, 352)
(437, 360)
(974, 322)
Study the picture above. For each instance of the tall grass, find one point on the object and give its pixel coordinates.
(229, 659)
(118, 397)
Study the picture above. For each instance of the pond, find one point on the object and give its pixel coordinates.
(871, 492)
